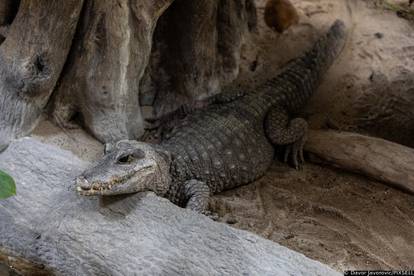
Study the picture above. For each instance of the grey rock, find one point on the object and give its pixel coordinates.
(141, 234)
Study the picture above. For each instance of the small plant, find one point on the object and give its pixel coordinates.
(7, 186)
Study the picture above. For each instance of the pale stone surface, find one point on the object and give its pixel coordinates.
(48, 222)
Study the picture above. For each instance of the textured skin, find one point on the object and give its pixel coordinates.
(227, 144)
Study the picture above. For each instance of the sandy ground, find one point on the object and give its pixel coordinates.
(338, 218)
(370, 88)
(343, 220)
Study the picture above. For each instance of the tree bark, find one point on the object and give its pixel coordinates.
(196, 50)
(101, 80)
(112, 63)
(32, 58)
(377, 158)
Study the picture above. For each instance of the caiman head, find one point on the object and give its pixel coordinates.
(127, 167)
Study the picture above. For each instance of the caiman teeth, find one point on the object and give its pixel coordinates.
(93, 190)
(96, 188)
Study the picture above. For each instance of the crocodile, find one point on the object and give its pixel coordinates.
(224, 145)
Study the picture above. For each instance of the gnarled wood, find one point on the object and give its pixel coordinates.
(377, 158)
(101, 80)
(31, 59)
(196, 50)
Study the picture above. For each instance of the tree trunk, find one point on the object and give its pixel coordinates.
(112, 65)
(101, 80)
(196, 50)
(32, 58)
(196, 46)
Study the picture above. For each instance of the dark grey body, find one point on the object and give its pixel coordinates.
(225, 145)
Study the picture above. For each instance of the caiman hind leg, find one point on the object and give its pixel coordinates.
(290, 133)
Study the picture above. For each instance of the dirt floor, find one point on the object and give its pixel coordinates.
(338, 218)
(370, 88)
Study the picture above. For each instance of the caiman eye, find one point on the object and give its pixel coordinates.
(126, 159)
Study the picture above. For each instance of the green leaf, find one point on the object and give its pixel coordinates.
(7, 186)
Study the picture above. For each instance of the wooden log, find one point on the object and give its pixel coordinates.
(197, 50)
(109, 56)
(48, 225)
(385, 161)
(31, 60)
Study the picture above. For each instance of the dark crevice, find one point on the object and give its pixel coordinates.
(40, 65)
(12, 12)
(251, 15)
(77, 118)
(100, 34)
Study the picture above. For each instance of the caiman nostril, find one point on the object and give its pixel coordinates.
(83, 183)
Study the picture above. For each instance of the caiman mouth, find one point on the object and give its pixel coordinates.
(89, 191)
(85, 188)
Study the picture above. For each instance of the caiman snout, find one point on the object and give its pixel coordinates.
(88, 187)
(82, 183)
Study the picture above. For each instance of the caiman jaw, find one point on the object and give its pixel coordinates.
(85, 188)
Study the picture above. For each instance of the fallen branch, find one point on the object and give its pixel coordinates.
(377, 158)
(47, 225)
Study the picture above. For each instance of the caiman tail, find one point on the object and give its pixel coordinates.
(300, 78)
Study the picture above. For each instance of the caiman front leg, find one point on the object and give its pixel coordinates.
(197, 194)
(290, 133)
